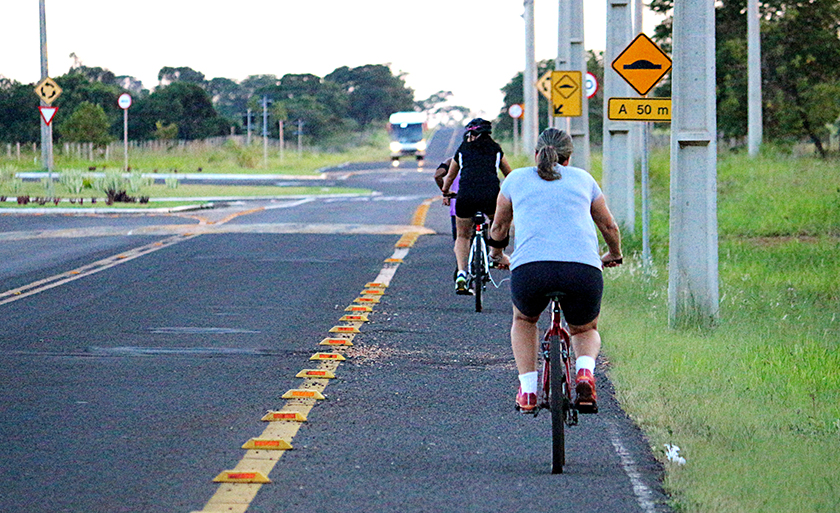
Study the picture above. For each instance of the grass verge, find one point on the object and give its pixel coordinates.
(754, 404)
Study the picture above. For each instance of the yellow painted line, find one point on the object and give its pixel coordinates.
(86, 270)
(236, 493)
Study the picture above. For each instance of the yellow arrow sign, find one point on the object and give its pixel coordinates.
(567, 93)
(642, 64)
(47, 90)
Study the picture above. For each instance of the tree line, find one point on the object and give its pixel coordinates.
(188, 106)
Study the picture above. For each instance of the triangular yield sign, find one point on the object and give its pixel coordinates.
(48, 113)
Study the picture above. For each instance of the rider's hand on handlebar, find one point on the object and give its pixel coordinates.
(609, 260)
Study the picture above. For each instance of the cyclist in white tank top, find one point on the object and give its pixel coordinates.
(555, 209)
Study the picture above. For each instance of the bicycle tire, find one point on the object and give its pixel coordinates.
(478, 275)
(557, 404)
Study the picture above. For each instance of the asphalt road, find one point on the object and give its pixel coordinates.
(133, 381)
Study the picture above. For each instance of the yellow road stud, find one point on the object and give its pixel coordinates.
(232, 476)
(355, 308)
(315, 373)
(328, 356)
(276, 416)
(267, 445)
(366, 300)
(336, 342)
(375, 285)
(299, 393)
(344, 329)
(354, 318)
(393, 260)
(373, 292)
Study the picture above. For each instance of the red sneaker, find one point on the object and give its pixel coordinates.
(586, 400)
(526, 403)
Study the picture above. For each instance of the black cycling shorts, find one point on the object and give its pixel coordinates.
(581, 284)
(468, 204)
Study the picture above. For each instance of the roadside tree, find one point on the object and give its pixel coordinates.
(87, 124)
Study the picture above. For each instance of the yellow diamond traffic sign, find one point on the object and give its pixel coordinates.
(47, 90)
(566, 93)
(642, 64)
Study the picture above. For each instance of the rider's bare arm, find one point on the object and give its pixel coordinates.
(503, 218)
(609, 229)
(504, 166)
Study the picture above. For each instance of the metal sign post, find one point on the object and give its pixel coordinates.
(124, 101)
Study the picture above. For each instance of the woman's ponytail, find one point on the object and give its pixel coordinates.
(553, 146)
(546, 158)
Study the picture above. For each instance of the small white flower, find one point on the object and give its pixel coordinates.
(672, 452)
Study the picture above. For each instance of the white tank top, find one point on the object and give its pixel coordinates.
(553, 219)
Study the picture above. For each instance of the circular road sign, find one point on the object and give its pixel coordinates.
(516, 110)
(591, 85)
(124, 101)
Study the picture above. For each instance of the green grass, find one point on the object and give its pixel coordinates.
(228, 158)
(754, 404)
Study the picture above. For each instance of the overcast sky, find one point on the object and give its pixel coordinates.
(472, 48)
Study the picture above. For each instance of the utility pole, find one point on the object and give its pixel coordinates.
(530, 120)
(46, 130)
(693, 260)
(571, 36)
(754, 107)
(618, 179)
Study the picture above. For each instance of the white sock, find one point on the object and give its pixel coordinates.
(528, 382)
(585, 362)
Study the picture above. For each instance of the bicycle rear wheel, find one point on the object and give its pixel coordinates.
(478, 275)
(557, 402)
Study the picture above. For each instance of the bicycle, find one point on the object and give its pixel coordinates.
(556, 382)
(479, 260)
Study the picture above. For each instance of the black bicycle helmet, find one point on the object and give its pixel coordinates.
(479, 126)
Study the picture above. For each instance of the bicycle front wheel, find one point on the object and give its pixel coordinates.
(557, 403)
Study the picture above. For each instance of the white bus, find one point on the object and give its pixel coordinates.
(406, 130)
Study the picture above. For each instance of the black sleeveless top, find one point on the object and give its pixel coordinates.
(479, 161)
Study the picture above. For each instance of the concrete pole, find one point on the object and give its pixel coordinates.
(618, 180)
(579, 126)
(693, 259)
(530, 121)
(46, 130)
(754, 107)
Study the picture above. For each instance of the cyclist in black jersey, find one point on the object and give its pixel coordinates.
(478, 161)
